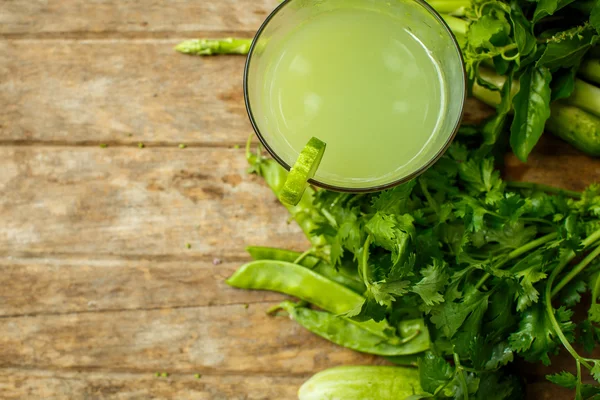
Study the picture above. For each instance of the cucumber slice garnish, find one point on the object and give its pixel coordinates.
(304, 169)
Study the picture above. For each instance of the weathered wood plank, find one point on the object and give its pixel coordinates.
(119, 92)
(59, 286)
(136, 202)
(39, 384)
(58, 385)
(116, 16)
(215, 340)
(556, 163)
(124, 92)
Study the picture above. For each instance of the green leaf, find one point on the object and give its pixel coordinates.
(596, 370)
(526, 41)
(527, 294)
(564, 379)
(393, 201)
(548, 7)
(567, 49)
(571, 294)
(535, 338)
(594, 313)
(563, 83)
(595, 16)
(492, 386)
(450, 316)
(369, 309)
(392, 233)
(492, 29)
(532, 109)
(588, 335)
(434, 280)
(434, 372)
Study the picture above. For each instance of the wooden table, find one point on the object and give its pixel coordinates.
(112, 256)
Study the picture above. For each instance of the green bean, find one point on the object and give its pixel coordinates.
(300, 282)
(311, 262)
(345, 332)
(362, 382)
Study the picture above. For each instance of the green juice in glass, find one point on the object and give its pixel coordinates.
(361, 81)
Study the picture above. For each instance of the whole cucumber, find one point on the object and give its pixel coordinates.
(361, 383)
(575, 126)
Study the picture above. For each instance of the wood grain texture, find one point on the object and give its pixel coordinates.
(64, 385)
(63, 286)
(136, 202)
(124, 92)
(139, 16)
(215, 340)
(555, 163)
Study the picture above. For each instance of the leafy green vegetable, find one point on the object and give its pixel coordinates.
(532, 109)
(477, 259)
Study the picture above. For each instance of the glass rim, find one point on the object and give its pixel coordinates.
(371, 189)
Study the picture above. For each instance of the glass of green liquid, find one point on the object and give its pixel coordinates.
(381, 82)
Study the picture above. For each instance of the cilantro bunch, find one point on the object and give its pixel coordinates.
(494, 268)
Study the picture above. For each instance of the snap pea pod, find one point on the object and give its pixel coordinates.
(300, 282)
(272, 253)
(343, 332)
(304, 213)
(316, 264)
(362, 382)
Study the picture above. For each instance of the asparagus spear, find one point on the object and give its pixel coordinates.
(209, 47)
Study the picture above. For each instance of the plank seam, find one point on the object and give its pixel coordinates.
(119, 310)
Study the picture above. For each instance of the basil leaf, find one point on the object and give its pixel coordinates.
(524, 37)
(568, 51)
(595, 16)
(532, 109)
(548, 7)
(563, 83)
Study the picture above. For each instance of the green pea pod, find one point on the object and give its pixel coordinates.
(300, 282)
(316, 264)
(304, 213)
(346, 333)
(271, 253)
(361, 382)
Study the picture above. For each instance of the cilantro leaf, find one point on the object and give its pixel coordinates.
(434, 372)
(564, 379)
(434, 280)
(394, 200)
(450, 316)
(535, 339)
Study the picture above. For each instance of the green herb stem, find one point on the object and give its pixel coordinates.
(543, 188)
(432, 203)
(550, 310)
(461, 377)
(303, 256)
(517, 253)
(576, 271)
